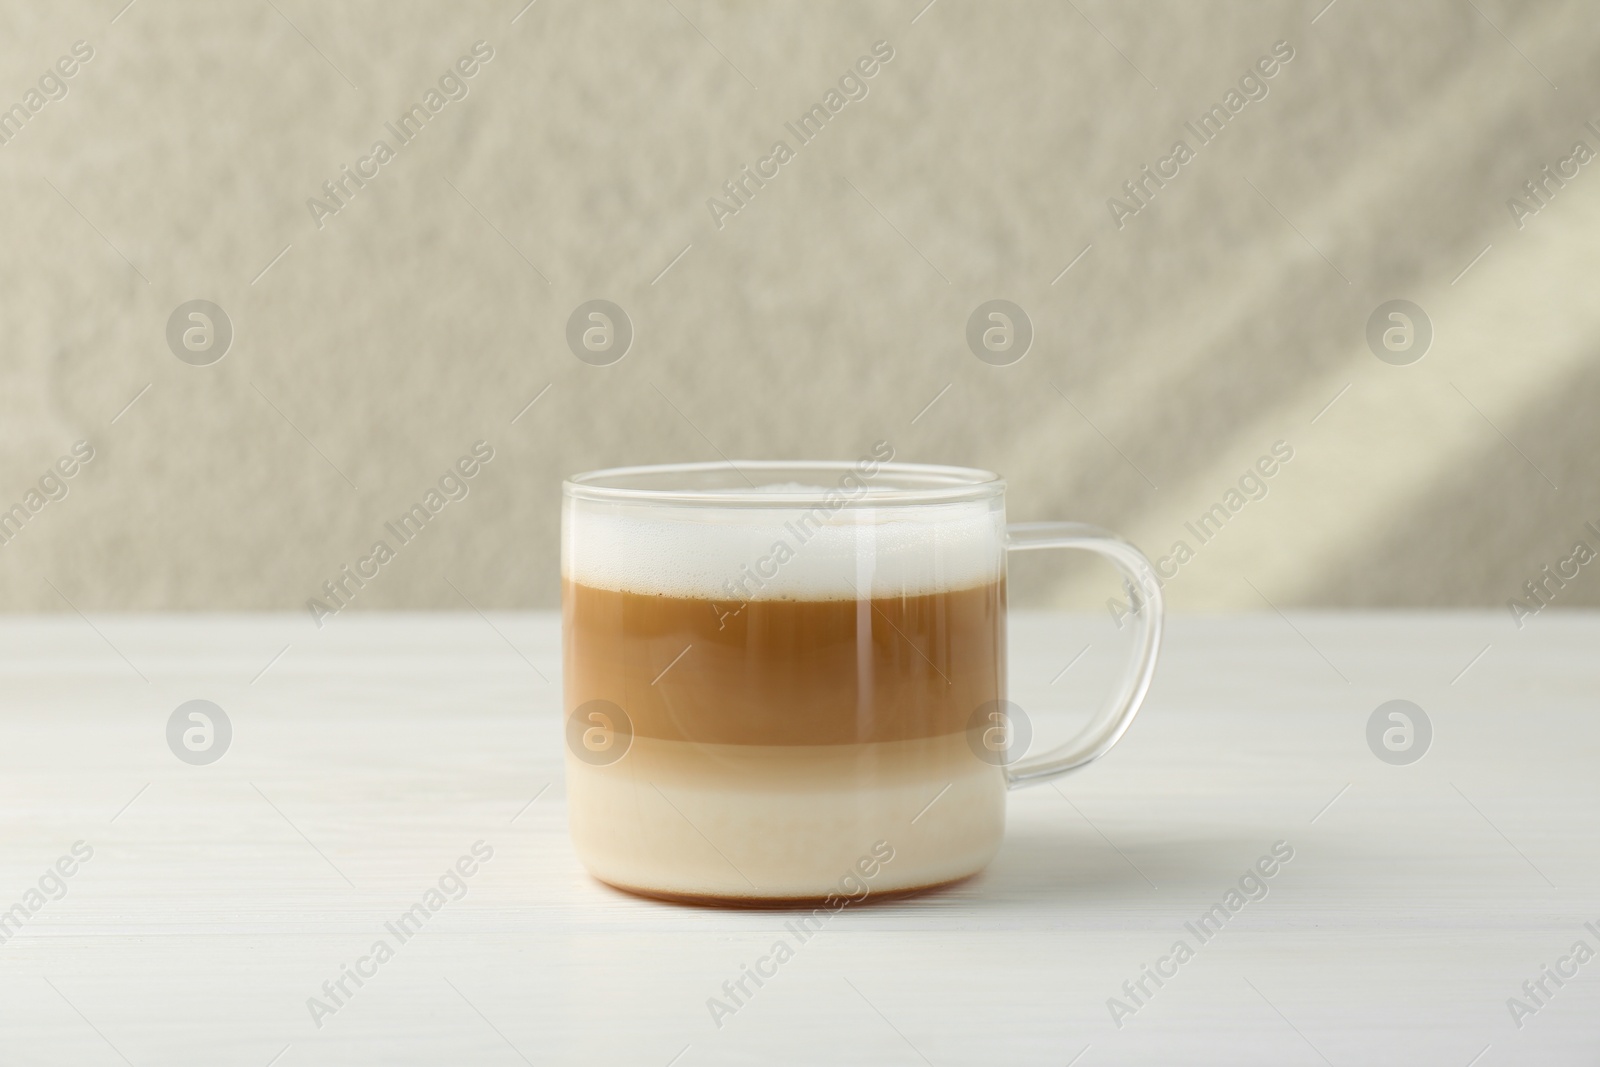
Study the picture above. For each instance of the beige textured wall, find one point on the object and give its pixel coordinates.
(824, 315)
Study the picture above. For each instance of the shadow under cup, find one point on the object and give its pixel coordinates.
(771, 688)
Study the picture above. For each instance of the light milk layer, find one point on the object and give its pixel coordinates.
(777, 822)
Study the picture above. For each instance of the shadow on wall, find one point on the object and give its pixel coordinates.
(1486, 524)
(1247, 337)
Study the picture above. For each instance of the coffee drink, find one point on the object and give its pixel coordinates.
(760, 699)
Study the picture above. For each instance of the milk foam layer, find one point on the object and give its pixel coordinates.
(771, 553)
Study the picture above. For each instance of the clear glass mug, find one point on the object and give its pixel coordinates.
(786, 681)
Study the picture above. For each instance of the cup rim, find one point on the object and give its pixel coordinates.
(890, 484)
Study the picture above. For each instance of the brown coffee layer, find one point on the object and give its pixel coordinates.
(786, 672)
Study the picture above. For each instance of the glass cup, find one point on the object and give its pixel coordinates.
(787, 681)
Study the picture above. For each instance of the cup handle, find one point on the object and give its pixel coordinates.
(1144, 596)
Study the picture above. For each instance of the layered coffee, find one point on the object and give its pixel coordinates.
(754, 702)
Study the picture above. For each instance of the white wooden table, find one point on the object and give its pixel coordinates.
(372, 754)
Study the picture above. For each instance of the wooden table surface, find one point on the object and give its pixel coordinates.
(370, 756)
